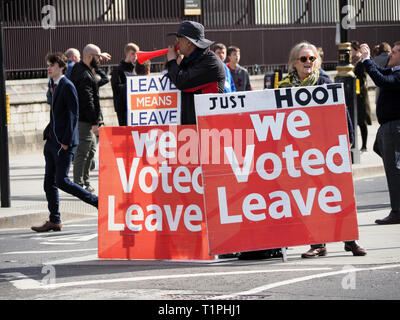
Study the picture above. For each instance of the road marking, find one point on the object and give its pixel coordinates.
(49, 251)
(300, 279)
(23, 283)
(73, 260)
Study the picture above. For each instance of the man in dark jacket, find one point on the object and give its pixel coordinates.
(196, 69)
(387, 143)
(118, 82)
(61, 136)
(90, 116)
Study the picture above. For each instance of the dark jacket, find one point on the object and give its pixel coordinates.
(88, 94)
(202, 72)
(64, 114)
(388, 80)
(324, 78)
(363, 107)
(118, 85)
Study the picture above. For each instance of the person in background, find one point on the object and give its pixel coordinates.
(118, 81)
(143, 69)
(239, 74)
(363, 107)
(381, 59)
(303, 67)
(61, 135)
(220, 51)
(74, 56)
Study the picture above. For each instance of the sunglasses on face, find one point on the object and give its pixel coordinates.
(304, 59)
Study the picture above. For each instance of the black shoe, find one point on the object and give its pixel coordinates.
(392, 218)
(227, 255)
(255, 255)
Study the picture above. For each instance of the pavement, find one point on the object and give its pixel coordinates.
(29, 205)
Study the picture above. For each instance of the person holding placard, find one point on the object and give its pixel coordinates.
(303, 66)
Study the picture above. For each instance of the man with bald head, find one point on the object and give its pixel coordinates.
(90, 116)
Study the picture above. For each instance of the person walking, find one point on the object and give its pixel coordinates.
(387, 143)
(61, 135)
(90, 116)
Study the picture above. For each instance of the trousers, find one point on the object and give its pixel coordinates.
(387, 145)
(84, 154)
(58, 162)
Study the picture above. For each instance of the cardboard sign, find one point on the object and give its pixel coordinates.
(150, 194)
(152, 100)
(282, 174)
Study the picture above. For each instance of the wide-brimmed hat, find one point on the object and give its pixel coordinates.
(194, 32)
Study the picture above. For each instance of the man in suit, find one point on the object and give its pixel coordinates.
(61, 136)
(387, 143)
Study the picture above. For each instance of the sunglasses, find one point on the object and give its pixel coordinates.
(304, 59)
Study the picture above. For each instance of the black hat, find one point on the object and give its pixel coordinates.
(194, 32)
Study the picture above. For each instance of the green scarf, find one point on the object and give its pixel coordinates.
(293, 80)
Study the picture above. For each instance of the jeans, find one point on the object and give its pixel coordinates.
(58, 162)
(84, 154)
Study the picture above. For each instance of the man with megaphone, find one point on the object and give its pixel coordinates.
(193, 68)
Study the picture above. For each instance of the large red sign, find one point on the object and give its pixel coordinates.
(278, 171)
(151, 194)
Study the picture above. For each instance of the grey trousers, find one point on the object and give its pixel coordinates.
(84, 154)
(387, 145)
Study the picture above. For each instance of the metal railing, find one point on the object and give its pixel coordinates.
(265, 30)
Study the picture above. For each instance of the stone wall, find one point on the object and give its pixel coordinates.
(30, 113)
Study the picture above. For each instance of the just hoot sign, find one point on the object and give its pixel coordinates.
(282, 175)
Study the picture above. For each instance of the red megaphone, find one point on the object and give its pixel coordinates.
(143, 56)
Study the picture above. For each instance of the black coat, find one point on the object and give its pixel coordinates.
(202, 72)
(118, 85)
(88, 94)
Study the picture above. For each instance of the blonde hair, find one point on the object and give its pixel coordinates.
(294, 55)
(131, 46)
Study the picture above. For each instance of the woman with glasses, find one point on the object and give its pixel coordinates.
(303, 67)
(304, 70)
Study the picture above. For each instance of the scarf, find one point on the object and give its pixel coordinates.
(293, 80)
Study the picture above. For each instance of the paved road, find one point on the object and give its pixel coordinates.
(64, 265)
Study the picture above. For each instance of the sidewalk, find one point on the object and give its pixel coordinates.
(29, 205)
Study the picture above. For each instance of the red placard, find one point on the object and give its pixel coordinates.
(288, 184)
(150, 194)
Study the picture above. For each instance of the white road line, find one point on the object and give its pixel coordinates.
(21, 281)
(73, 259)
(300, 279)
(24, 284)
(49, 251)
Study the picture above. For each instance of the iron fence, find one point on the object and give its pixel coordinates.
(265, 30)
